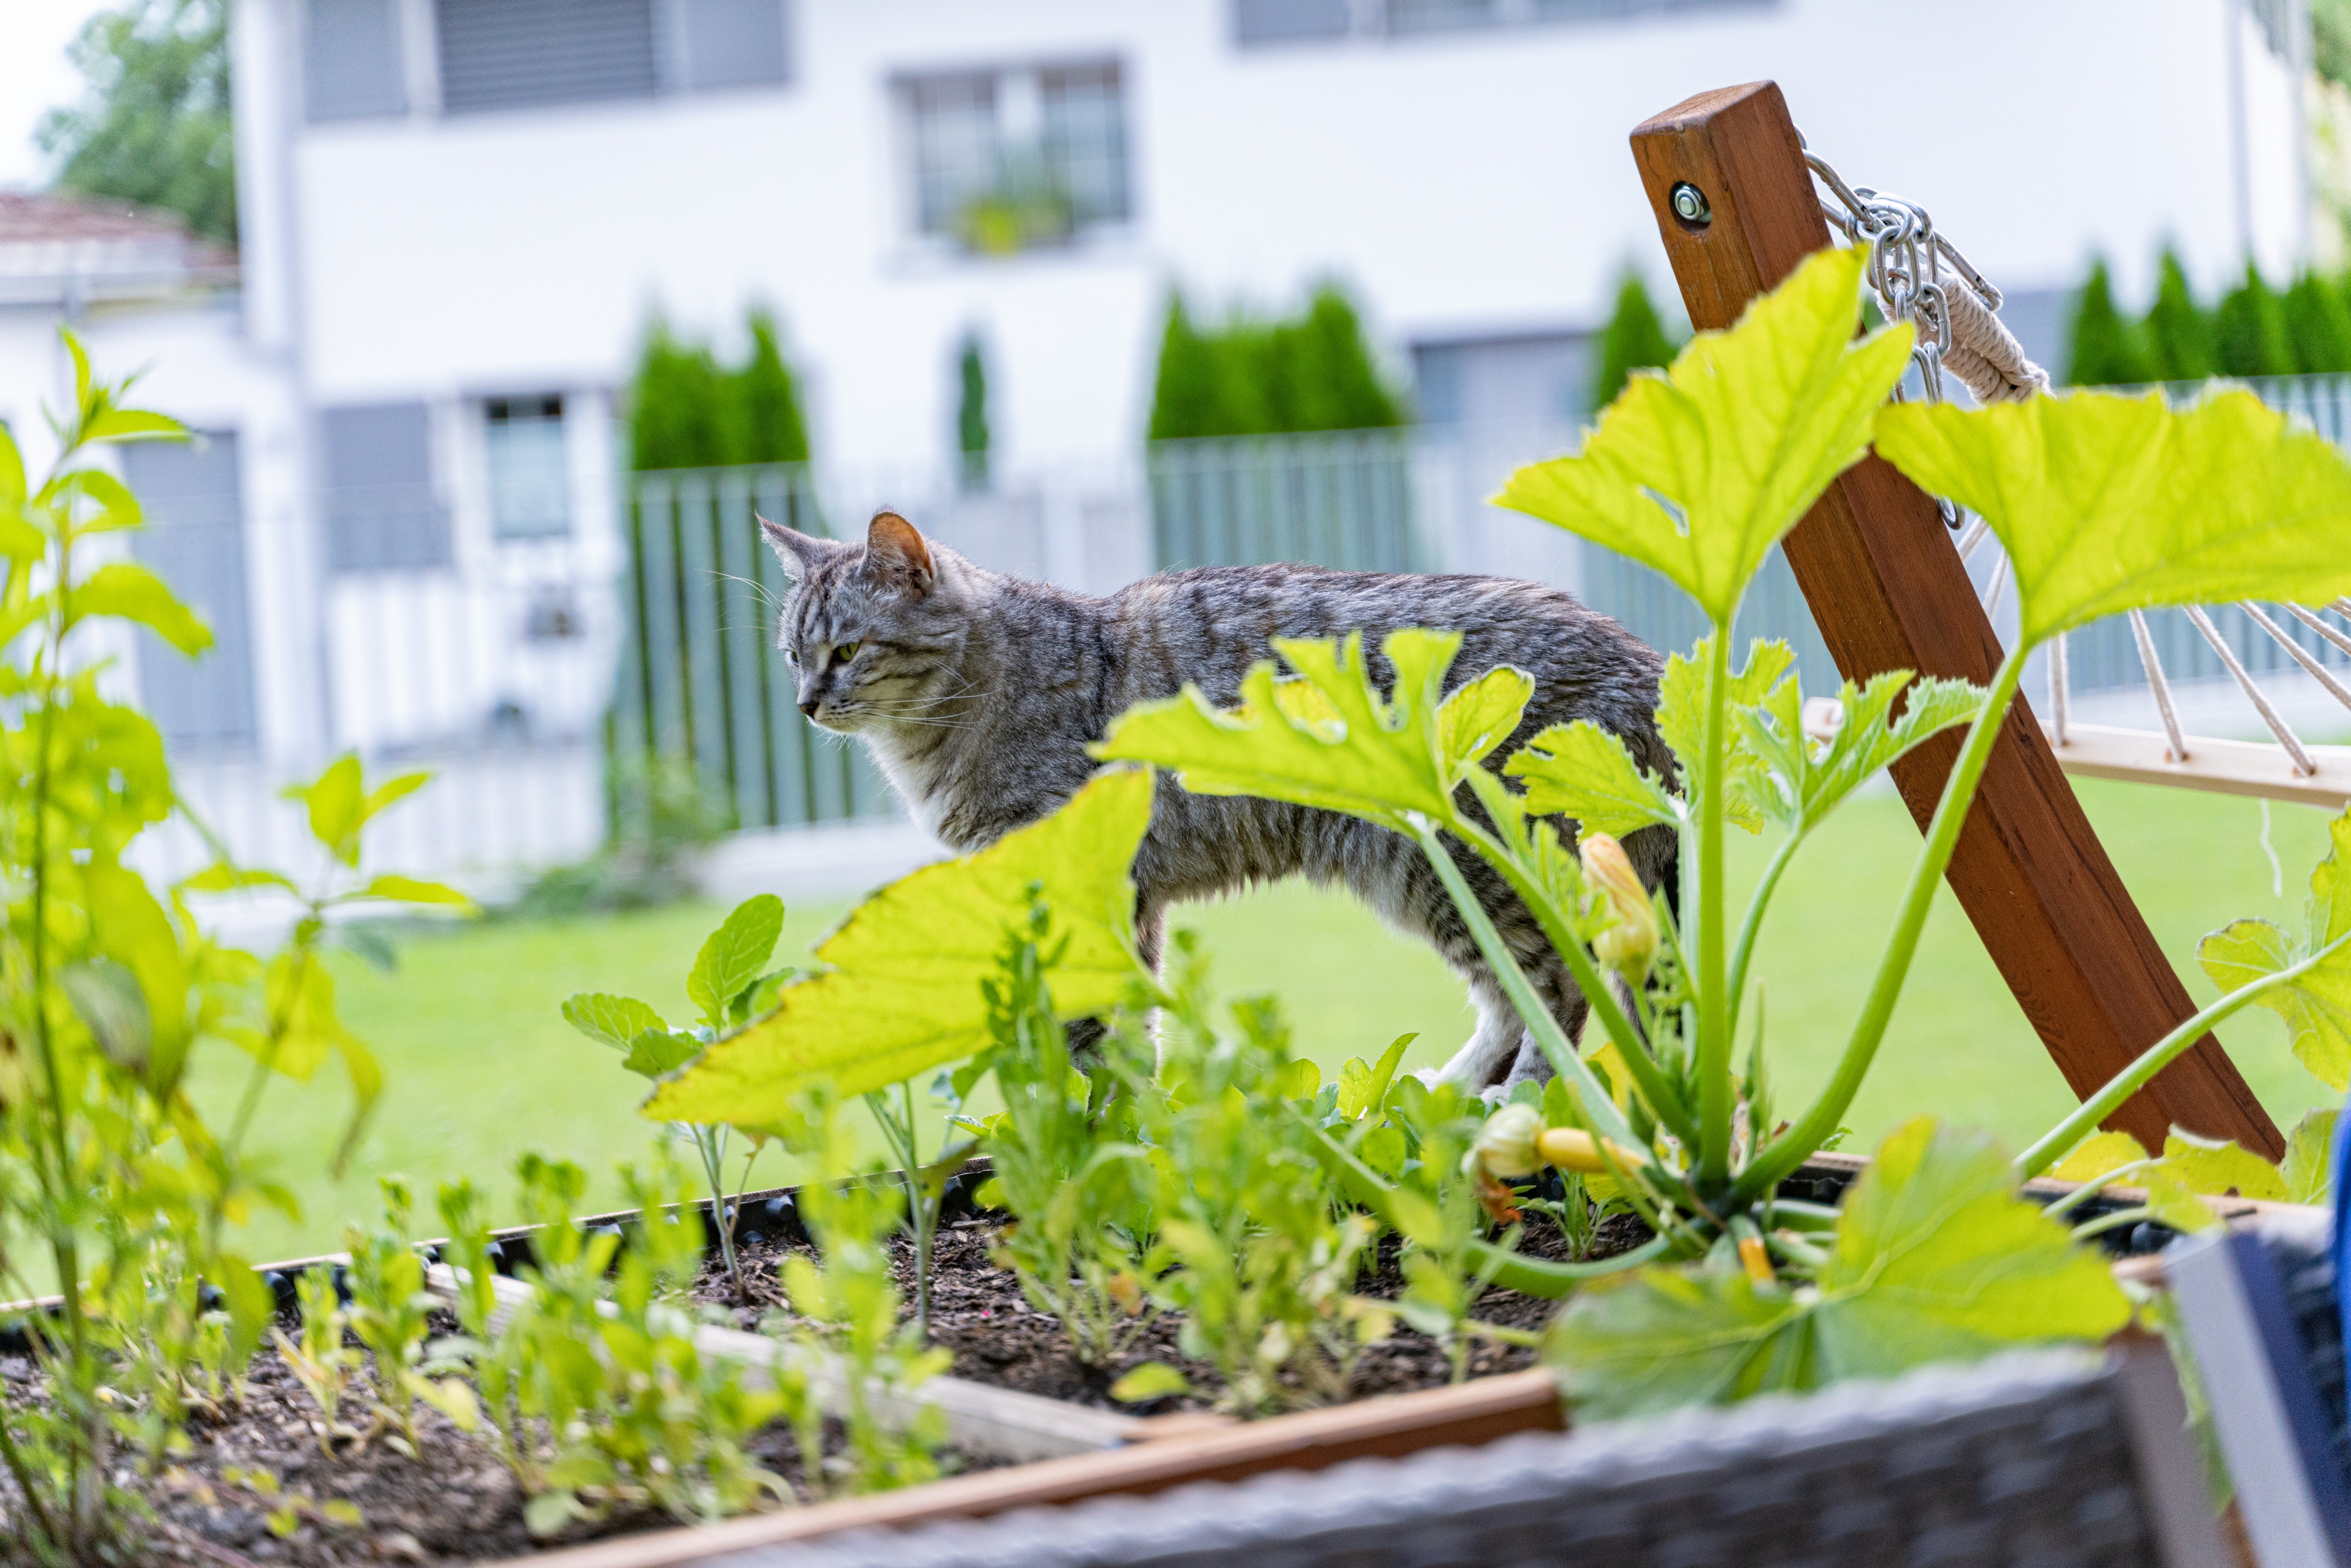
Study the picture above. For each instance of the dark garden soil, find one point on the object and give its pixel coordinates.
(454, 1502)
(977, 1311)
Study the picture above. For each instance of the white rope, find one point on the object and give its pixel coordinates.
(2253, 693)
(2302, 655)
(1986, 355)
(2060, 689)
(2321, 627)
(2158, 683)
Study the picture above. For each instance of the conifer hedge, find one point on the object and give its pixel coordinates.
(685, 411)
(2254, 331)
(971, 413)
(2249, 335)
(1636, 338)
(1253, 376)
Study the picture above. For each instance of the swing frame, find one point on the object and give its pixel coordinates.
(1879, 568)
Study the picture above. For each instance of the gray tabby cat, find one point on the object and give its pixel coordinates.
(979, 693)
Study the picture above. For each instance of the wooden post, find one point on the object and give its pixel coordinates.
(1887, 586)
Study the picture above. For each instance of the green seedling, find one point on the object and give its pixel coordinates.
(731, 984)
(1078, 1192)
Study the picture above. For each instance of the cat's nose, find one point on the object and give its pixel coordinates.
(809, 707)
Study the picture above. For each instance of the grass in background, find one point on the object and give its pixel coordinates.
(479, 1065)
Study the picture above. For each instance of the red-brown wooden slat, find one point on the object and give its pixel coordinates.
(1887, 586)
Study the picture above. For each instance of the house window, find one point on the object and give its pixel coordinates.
(519, 53)
(351, 60)
(523, 54)
(382, 514)
(1285, 21)
(1010, 160)
(530, 489)
(730, 43)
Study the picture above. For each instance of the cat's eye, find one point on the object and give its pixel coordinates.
(846, 652)
(792, 658)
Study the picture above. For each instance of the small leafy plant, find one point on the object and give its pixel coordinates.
(391, 1310)
(1250, 1248)
(115, 1191)
(849, 1305)
(321, 1357)
(1078, 1193)
(603, 1401)
(731, 984)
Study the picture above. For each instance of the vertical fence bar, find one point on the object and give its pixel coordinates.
(698, 594)
(739, 622)
(665, 682)
(780, 720)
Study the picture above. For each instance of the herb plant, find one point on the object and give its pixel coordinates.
(849, 1305)
(1078, 1193)
(731, 984)
(596, 1400)
(321, 1357)
(390, 1309)
(1256, 1256)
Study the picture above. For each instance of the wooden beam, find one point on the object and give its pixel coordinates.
(2259, 768)
(1887, 586)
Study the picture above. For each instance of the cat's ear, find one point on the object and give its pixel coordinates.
(896, 553)
(800, 552)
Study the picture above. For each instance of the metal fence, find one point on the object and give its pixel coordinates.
(700, 681)
(1340, 501)
(548, 680)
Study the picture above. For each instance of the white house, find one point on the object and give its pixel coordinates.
(458, 217)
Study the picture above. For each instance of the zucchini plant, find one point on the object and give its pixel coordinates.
(2105, 504)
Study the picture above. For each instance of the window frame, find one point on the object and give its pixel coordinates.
(1027, 93)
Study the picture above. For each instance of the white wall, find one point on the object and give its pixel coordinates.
(1466, 182)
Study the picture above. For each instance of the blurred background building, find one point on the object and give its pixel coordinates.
(420, 518)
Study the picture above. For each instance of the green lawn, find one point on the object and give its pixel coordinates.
(480, 1065)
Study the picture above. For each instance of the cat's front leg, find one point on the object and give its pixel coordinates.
(1486, 1060)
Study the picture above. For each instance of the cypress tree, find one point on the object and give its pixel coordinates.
(2107, 350)
(971, 414)
(1183, 399)
(2179, 333)
(1334, 358)
(2318, 323)
(2249, 330)
(1314, 371)
(765, 425)
(1253, 394)
(678, 406)
(1635, 339)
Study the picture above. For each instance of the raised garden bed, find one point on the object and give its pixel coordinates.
(1028, 1425)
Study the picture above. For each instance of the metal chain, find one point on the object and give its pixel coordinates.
(1906, 257)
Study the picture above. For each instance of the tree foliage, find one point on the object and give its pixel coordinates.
(971, 413)
(2249, 330)
(154, 126)
(2318, 324)
(687, 411)
(2108, 348)
(1636, 338)
(2179, 333)
(1251, 376)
